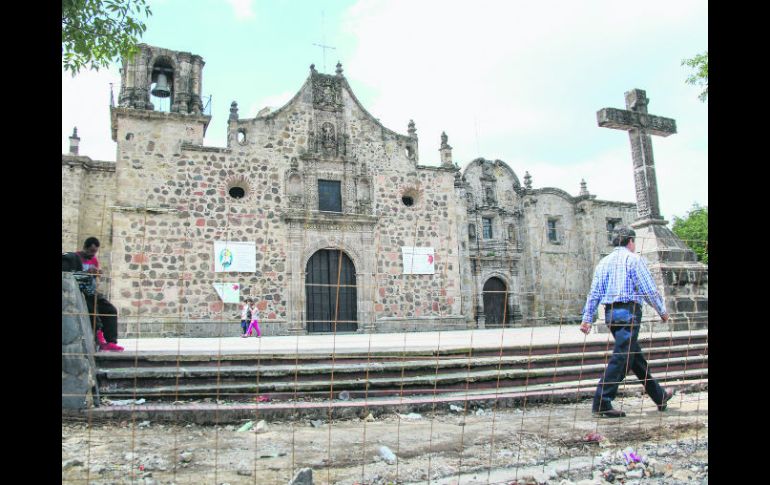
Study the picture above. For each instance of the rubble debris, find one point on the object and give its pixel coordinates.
(303, 477)
(246, 426)
(387, 455)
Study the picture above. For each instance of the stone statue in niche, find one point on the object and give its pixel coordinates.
(486, 170)
(312, 141)
(364, 201)
(490, 193)
(328, 138)
(294, 190)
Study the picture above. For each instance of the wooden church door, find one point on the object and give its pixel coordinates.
(495, 301)
(330, 292)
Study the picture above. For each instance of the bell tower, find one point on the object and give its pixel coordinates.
(165, 74)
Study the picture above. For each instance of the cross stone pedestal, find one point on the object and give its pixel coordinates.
(682, 280)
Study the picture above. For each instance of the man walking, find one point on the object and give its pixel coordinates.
(621, 282)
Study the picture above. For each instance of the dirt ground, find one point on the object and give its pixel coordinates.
(540, 444)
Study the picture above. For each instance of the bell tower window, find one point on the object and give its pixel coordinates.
(162, 85)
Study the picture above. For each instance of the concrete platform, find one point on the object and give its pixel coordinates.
(382, 342)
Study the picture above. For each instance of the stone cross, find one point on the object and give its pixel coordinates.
(640, 125)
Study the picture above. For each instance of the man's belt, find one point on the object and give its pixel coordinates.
(623, 304)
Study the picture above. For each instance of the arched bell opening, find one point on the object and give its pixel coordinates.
(330, 292)
(162, 85)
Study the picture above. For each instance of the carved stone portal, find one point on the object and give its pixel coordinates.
(327, 93)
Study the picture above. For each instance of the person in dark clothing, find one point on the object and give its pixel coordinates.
(104, 314)
(622, 282)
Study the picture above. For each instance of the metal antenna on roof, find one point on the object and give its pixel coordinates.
(323, 45)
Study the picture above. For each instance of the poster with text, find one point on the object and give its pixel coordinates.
(231, 256)
(417, 260)
(228, 292)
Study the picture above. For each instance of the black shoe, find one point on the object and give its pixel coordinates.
(668, 394)
(610, 413)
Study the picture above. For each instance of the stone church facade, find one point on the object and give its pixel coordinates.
(330, 198)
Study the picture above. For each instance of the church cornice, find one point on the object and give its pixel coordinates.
(437, 169)
(327, 220)
(626, 205)
(202, 148)
(146, 114)
(87, 163)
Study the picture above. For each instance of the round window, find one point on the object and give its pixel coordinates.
(410, 196)
(236, 192)
(242, 136)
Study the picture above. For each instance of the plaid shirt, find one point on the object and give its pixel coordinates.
(620, 277)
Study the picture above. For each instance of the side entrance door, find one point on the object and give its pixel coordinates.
(495, 300)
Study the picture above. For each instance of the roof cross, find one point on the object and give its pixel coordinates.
(324, 47)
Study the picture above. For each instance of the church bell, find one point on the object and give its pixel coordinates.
(161, 89)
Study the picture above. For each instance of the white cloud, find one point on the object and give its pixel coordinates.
(243, 9)
(86, 105)
(522, 81)
(272, 102)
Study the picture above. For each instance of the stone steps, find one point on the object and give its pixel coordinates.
(234, 358)
(215, 413)
(258, 368)
(285, 384)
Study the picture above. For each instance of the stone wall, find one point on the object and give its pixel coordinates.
(77, 349)
(559, 273)
(88, 192)
(71, 180)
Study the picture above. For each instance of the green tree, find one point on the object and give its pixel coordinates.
(94, 33)
(700, 76)
(693, 229)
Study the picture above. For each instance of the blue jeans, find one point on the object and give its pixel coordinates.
(627, 355)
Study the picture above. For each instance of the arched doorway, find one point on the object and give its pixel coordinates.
(495, 303)
(330, 289)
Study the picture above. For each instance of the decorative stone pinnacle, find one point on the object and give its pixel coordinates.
(444, 140)
(312, 68)
(74, 142)
(412, 131)
(527, 180)
(234, 111)
(583, 187)
(339, 68)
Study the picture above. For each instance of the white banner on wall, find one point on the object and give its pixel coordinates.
(230, 256)
(417, 260)
(228, 292)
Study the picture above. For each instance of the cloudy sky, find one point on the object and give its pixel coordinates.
(518, 81)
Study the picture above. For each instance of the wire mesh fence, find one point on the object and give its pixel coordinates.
(191, 401)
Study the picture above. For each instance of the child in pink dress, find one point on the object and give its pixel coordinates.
(254, 325)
